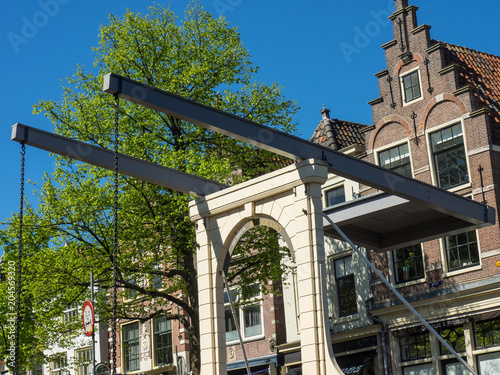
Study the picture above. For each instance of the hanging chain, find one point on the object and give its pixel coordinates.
(19, 258)
(115, 235)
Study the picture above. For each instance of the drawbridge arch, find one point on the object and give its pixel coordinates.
(245, 226)
(288, 200)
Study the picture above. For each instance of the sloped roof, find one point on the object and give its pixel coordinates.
(481, 70)
(338, 134)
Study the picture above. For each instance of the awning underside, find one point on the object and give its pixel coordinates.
(384, 222)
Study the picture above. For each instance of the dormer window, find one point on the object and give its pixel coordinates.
(411, 86)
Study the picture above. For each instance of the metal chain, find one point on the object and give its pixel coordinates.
(19, 258)
(115, 236)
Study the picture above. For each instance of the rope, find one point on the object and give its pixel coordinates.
(115, 236)
(19, 258)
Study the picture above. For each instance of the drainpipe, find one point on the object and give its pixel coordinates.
(384, 342)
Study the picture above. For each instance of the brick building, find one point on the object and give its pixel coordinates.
(437, 120)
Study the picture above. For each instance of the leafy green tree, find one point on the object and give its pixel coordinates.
(70, 231)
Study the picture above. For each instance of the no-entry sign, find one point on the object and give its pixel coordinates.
(88, 318)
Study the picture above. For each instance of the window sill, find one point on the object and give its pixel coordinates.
(444, 357)
(245, 340)
(133, 372)
(463, 270)
(492, 349)
(346, 319)
(416, 362)
(460, 187)
(405, 104)
(413, 282)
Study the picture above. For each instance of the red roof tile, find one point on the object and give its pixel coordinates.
(481, 70)
(338, 134)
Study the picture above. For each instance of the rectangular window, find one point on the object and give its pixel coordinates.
(335, 196)
(396, 159)
(462, 250)
(487, 333)
(415, 346)
(346, 289)
(450, 162)
(71, 311)
(37, 369)
(131, 347)
(157, 280)
(411, 86)
(252, 320)
(248, 312)
(455, 337)
(59, 364)
(163, 340)
(131, 293)
(83, 361)
(408, 263)
(453, 367)
(425, 369)
(231, 332)
(489, 363)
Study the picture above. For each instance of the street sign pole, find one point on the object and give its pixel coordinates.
(93, 331)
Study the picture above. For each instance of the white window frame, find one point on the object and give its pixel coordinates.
(71, 312)
(392, 272)
(59, 365)
(335, 307)
(241, 316)
(81, 369)
(430, 155)
(153, 346)
(444, 257)
(379, 150)
(156, 278)
(123, 367)
(401, 84)
(331, 188)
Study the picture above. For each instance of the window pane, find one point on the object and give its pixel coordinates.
(157, 280)
(415, 346)
(396, 159)
(131, 346)
(487, 333)
(253, 325)
(234, 295)
(411, 86)
(231, 333)
(456, 368)
(163, 340)
(335, 196)
(449, 157)
(454, 336)
(84, 358)
(339, 268)
(462, 250)
(489, 363)
(419, 370)
(408, 263)
(346, 290)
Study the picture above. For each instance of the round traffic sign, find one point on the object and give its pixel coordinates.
(88, 318)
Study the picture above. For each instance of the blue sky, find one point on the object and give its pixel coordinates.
(301, 46)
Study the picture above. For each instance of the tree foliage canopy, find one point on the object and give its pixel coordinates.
(70, 233)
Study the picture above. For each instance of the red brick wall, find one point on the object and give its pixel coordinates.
(439, 105)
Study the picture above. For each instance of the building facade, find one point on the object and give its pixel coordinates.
(437, 120)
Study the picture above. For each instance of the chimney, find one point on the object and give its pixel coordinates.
(401, 4)
(325, 113)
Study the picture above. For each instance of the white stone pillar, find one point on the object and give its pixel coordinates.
(209, 348)
(316, 351)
